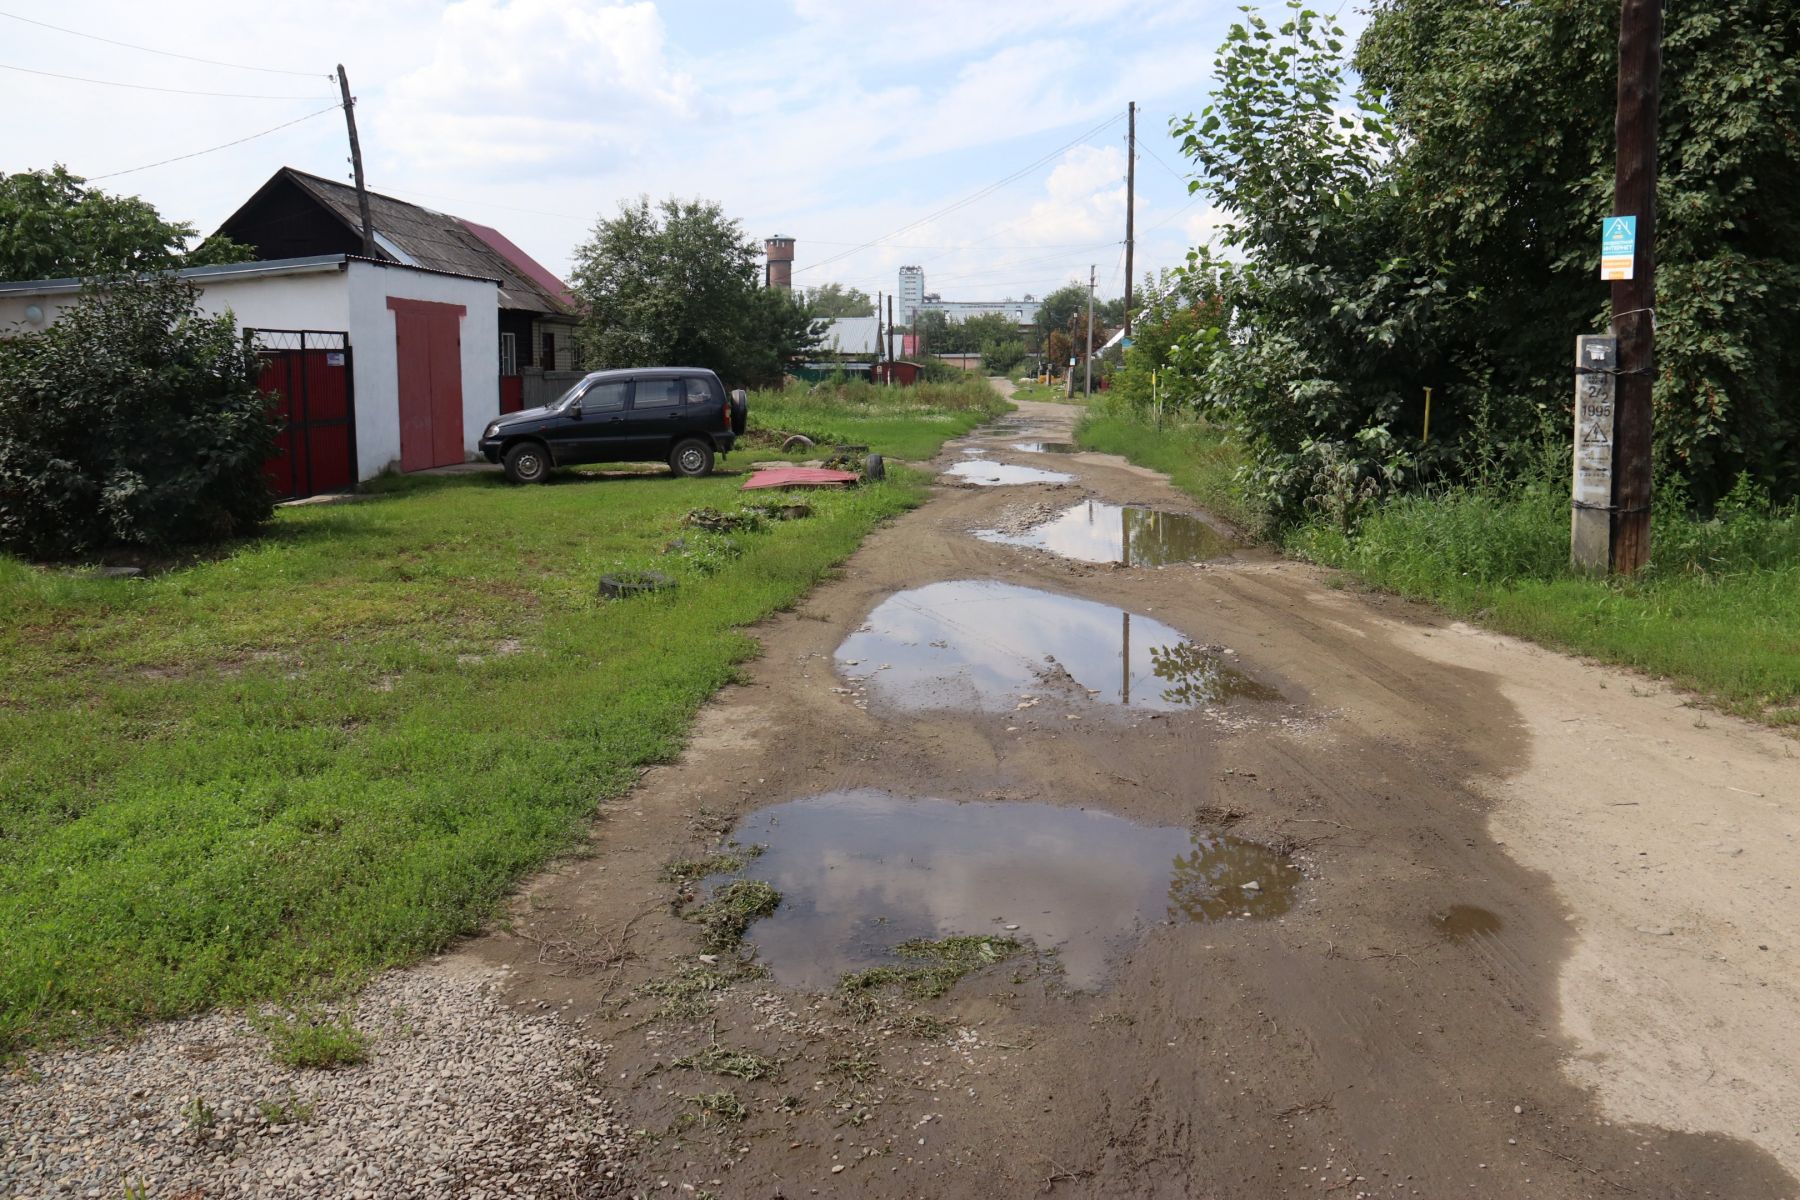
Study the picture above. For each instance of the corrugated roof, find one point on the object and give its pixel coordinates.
(851, 335)
(442, 242)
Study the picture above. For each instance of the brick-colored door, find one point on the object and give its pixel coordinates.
(428, 352)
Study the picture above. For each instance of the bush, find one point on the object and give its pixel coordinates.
(133, 420)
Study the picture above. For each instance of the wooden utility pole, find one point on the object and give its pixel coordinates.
(1087, 387)
(880, 346)
(362, 191)
(890, 329)
(1130, 201)
(1634, 299)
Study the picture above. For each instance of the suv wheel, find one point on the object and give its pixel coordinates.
(527, 462)
(692, 458)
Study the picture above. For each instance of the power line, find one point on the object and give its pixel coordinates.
(211, 62)
(1181, 179)
(144, 87)
(223, 146)
(989, 190)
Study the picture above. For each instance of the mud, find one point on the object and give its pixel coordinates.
(1098, 532)
(861, 872)
(1344, 1047)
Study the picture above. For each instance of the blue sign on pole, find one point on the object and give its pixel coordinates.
(1618, 247)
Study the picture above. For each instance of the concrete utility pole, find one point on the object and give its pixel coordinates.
(1087, 388)
(880, 346)
(362, 191)
(1130, 201)
(891, 327)
(1634, 299)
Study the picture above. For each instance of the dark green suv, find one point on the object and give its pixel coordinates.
(678, 415)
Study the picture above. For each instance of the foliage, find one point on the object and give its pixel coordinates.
(1166, 358)
(835, 300)
(732, 908)
(1439, 230)
(133, 419)
(54, 227)
(309, 1038)
(1718, 610)
(929, 968)
(900, 422)
(677, 286)
(266, 776)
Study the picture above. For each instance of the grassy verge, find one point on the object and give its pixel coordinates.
(1718, 612)
(1199, 459)
(1048, 392)
(910, 422)
(262, 777)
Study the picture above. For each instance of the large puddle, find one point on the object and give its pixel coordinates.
(861, 871)
(997, 647)
(1047, 447)
(1094, 531)
(994, 474)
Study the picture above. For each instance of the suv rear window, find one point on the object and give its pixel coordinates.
(657, 393)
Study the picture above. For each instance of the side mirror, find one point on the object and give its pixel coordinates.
(574, 411)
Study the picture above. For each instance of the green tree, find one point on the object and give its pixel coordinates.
(134, 419)
(52, 226)
(676, 285)
(1061, 307)
(1440, 229)
(835, 300)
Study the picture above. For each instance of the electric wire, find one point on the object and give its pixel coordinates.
(211, 62)
(989, 190)
(222, 146)
(145, 87)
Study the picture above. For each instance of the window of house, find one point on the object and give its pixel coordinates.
(549, 360)
(509, 354)
(658, 393)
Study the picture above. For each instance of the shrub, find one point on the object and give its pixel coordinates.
(133, 420)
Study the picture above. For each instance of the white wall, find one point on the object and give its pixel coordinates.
(310, 300)
(371, 324)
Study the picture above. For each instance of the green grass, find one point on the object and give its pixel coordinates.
(1051, 393)
(899, 422)
(1718, 611)
(1199, 459)
(725, 917)
(308, 1038)
(931, 968)
(339, 746)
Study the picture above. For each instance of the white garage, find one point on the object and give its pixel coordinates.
(380, 365)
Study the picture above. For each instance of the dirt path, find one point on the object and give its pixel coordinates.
(1544, 946)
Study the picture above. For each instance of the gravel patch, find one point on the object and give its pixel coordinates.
(461, 1096)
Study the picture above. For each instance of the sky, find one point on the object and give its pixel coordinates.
(834, 122)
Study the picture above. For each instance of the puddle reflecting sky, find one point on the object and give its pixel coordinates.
(1047, 447)
(993, 474)
(861, 871)
(1094, 531)
(981, 644)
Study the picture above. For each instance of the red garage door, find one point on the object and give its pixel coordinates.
(307, 374)
(428, 344)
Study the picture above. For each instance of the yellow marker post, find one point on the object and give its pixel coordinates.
(1426, 437)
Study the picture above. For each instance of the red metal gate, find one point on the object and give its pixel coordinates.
(307, 374)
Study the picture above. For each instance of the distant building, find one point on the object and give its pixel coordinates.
(779, 273)
(912, 298)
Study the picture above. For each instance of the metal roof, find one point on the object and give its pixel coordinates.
(440, 242)
(310, 264)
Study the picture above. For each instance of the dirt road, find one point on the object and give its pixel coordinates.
(1519, 925)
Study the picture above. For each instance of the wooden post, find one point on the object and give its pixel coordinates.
(1130, 201)
(1634, 299)
(879, 344)
(1087, 388)
(362, 191)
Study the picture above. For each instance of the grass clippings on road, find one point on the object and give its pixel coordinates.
(340, 746)
(900, 422)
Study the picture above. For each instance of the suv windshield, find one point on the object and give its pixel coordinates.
(563, 401)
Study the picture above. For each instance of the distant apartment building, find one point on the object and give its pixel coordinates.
(912, 298)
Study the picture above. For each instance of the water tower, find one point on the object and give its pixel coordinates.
(780, 271)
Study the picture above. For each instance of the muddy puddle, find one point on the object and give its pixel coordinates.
(1047, 447)
(983, 473)
(1094, 531)
(1460, 922)
(861, 871)
(999, 647)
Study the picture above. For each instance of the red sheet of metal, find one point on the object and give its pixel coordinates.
(774, 477)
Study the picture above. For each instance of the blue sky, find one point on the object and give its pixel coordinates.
(834, 123)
